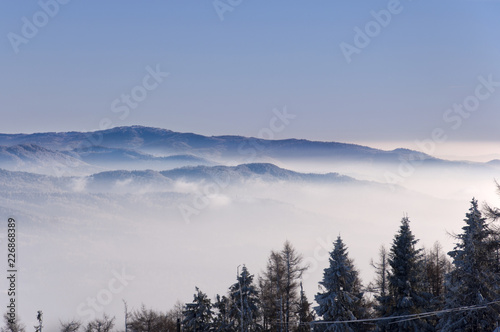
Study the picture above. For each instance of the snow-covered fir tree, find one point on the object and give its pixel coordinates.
(222, 320)
(474, 280)
(340, 298)
(244, 302)
(198, 315)
(405, 289)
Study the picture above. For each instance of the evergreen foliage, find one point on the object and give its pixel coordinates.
(198, 315)
(405, 287)
(474, 278)
(340, 298)
(306, 314)
(245, 302)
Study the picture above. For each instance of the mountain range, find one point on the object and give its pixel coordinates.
(130, 181)
(141, 148)
(156, 140)
(140, 198)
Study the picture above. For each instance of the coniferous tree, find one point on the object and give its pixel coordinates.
(175, 315)
(436, 267)
(267, 296)
(293, 273)
(271, 289)
(473, 280)
(493, 213)
(71, 326)
(341, 298)
(148, 320)
(198, 315)
(279, 289)
(104, 324)
(245, 302)
(143, 320)
(381, 289)
(222, 320)
(12, 325)
(490, 211)
(405, 287)
(306, 314)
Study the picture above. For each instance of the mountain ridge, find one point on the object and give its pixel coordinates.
(141, 147)
(152, 137)
(19, 181)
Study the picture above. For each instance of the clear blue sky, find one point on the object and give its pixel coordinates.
(226, 77)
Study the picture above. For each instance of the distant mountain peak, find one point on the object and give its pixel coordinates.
(130, 144)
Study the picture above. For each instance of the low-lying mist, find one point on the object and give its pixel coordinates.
(85, 245)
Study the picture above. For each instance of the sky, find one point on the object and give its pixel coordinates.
(223, 69)
(422, 74)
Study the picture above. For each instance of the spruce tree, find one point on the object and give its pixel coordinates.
(306, 314)
(222, 321)
(198, 315)
(244, 302)
(407, 294)
(473, 280)
(341, 298)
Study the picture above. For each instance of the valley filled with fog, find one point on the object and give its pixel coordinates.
(169, 211)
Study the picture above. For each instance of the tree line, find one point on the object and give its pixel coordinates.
(413, 290)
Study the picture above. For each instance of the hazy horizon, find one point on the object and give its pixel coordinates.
(474, 151)
(387, 74)
(226, 73)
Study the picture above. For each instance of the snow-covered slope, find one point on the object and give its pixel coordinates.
(33, 158)
(167, 142)
(150, 180)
